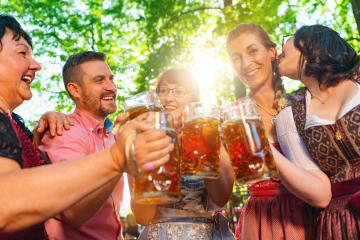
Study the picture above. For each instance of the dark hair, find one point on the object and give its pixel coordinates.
(11, 23)
(266, 41)
(70, 71)
(182, 77)
(325, 55)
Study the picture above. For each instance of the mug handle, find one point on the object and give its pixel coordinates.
(130, 153)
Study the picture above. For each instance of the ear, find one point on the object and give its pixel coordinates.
(74, 90)
(272, 52)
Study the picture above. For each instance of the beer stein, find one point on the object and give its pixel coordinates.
(243, 134)
(200, 141)
(141, 103)
(162, 185)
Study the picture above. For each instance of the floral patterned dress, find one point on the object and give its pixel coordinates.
(336, 150)
(187, 219)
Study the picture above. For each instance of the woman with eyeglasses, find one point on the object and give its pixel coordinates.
(272, 211)
(191, 218)
(326, 116)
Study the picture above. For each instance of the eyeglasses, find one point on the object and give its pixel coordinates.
(285, 38)
(178, 92)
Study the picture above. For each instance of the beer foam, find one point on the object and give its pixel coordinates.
(210, 117)
(239, 118)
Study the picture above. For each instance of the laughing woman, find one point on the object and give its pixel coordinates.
(31, 190)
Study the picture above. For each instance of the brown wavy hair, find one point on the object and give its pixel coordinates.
(266, 41)
(325, 55)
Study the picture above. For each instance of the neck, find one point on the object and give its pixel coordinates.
(317, 92)
(97, 117)
(4, 105)
(264, 96)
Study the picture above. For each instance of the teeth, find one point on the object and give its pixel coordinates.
(108, 98)
(170, 107)
(27, 79)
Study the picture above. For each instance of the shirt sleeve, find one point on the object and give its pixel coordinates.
(10, 146)
(290, 141)
(73, 144)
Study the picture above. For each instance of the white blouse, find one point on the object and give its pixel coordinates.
(289, 139)
(314, 120)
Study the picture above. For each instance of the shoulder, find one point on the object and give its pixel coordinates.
(10, 146)
(75, 139)
(296, 96)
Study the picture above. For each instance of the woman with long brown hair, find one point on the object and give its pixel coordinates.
(271, 212)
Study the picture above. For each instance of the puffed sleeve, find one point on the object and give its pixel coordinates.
(10, 147)
(290, 141)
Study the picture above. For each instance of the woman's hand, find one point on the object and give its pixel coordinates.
(54, 122)
(120, 120)
(151, 147)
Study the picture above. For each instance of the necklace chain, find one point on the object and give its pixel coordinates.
(273, 115)
(266, 110)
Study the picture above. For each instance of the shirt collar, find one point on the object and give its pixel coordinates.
(92, 123)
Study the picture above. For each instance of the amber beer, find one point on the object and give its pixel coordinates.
(248, 148)
(244, 138)
(200, 145)
(141, 103)
(138, 110)
(162, 185)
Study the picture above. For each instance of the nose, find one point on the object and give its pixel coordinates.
(246, 60)
(168, 98)
(34, 65)
(110, 85)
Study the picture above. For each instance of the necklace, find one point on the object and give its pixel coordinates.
(273, 115)
(317, 98)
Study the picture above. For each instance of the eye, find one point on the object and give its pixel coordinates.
(163, 91)
(180, 92)
(252, 51)
(23, 53)
(236, 60)
(99, 80)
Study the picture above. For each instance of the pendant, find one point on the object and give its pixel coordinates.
(272, 120)
(338, 135)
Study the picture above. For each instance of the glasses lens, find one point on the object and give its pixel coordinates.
(179, 92)
(285, 39)
(163, 91)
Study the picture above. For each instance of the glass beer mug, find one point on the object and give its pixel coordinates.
(141, 103)
(243, 134)
(162, 185)
(200, 141)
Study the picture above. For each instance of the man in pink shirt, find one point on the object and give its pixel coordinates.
(90, 83)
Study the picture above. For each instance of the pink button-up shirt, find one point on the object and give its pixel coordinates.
(85, 137)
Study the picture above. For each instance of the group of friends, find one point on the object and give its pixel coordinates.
(64, 179)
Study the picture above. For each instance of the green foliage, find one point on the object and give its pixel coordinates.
(143, 37)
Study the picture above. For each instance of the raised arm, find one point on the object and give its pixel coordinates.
(36, 194)
(220, 189)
